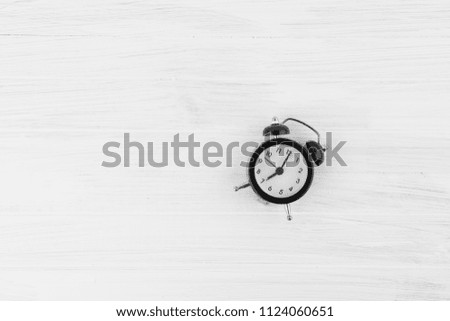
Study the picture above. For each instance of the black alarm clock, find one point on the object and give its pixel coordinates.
(281, 170)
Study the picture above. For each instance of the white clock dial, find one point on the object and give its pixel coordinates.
(281, 171)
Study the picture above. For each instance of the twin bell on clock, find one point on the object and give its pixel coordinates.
(281, 170)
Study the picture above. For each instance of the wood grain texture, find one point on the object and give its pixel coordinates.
(76, 74)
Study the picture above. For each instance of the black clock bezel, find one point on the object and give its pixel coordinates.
(251, 171)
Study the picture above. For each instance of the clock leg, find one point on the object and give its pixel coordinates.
(287, 207)
(237, 188)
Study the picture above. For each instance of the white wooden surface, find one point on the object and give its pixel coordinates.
(76, 74)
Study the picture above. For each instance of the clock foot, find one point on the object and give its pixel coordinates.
(237, 188)
(287, 207)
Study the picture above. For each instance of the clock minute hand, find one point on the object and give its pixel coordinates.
(285, 160)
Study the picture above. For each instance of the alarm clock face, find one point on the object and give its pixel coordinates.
(280, 171)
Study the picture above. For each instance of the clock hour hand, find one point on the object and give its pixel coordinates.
(270, 162)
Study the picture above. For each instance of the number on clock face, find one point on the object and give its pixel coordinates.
(281, 171)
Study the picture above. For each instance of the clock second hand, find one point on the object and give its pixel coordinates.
(274, 174)
(279, 170)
